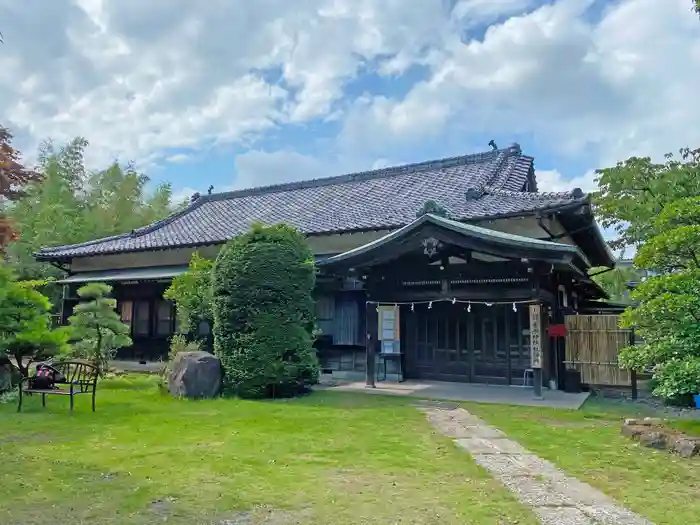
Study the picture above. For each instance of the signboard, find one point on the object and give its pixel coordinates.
(389, 329)
(535, 336)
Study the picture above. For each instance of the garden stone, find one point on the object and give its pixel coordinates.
(632, 431)
(686, 447)
(195, 375)
(653, 440)
(651, 421)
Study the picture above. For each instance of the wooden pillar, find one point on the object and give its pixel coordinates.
(371, 344)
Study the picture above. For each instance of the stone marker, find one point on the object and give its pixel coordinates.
(195, 375)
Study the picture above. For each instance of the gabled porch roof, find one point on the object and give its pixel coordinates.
(466, 236)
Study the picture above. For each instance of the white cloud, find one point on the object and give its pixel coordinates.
(140, 78)
(137, 78)
(259, 168)
(553, 180)
(622, 85)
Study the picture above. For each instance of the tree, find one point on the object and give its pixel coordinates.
(95, 326)
(50, 213)
(668, 315)
(633, 193)
(73, 205)
(656, 207)
(25, 323)
(262, 287)
(14, 177)
(615, 282)
(191, 292)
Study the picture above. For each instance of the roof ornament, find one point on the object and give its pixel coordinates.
(211, 188)
(493, 145)
(473, 194)
(195, 196)
(433, 208)
(430, 246)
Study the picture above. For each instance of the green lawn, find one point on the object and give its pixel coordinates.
(587, 444)
(325, 458)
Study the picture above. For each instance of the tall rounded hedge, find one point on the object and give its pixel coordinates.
(262, 286)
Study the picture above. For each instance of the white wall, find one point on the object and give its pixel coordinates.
(327, 244)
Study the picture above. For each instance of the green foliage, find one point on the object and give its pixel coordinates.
(634, 192)
(667, 315)
(677, 380)
(25, 323)
(70, 205)
(262, 288)
(95, 326)
(191, 293)
(615, 282)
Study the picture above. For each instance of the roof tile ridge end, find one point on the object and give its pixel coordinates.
(496, 168)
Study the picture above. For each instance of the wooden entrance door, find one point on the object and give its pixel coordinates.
(450, 343)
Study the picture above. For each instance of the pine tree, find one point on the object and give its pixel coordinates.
(95, 326)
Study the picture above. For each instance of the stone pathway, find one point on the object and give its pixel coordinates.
(555, 498)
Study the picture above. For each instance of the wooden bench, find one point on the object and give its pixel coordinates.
(80, 377)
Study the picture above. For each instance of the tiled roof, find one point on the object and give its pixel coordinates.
(474, 186)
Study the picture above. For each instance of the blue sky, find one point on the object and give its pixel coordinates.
(238, 94)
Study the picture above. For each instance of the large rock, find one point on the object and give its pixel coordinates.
(195, 375)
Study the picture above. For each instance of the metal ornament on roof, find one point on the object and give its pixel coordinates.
(430, 246)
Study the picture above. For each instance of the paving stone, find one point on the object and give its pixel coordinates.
(479, 445)
(467, 419)
(562, 516)
(535, 492)
(520, 465)
(613, 515)
(555, 498)
(581, 493)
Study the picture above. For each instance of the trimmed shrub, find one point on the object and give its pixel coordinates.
(262, 287)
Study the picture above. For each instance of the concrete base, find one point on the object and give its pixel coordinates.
(478, 393)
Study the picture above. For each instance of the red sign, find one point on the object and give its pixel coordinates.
(557, 330)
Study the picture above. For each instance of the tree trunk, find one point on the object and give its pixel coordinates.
(24, 370)
(98, 354)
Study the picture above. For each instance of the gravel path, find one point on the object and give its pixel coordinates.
(555, 498)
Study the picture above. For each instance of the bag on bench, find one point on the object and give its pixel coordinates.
(46, 377)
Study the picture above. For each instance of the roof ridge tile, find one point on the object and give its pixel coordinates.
(447, 162)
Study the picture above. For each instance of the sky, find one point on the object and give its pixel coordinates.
(240, 93)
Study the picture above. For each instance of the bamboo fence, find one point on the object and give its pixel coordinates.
(593, 343)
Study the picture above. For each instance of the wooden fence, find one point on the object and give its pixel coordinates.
(593, 343)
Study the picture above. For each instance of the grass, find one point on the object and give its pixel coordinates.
(324, 458)
(587, 444)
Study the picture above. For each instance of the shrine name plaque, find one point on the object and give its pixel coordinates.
(535, 336)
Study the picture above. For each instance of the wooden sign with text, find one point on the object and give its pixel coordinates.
(535, 336)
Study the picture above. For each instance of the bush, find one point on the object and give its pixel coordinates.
(677, 380)
(191, 293)
(25, 322)
(262, 288)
